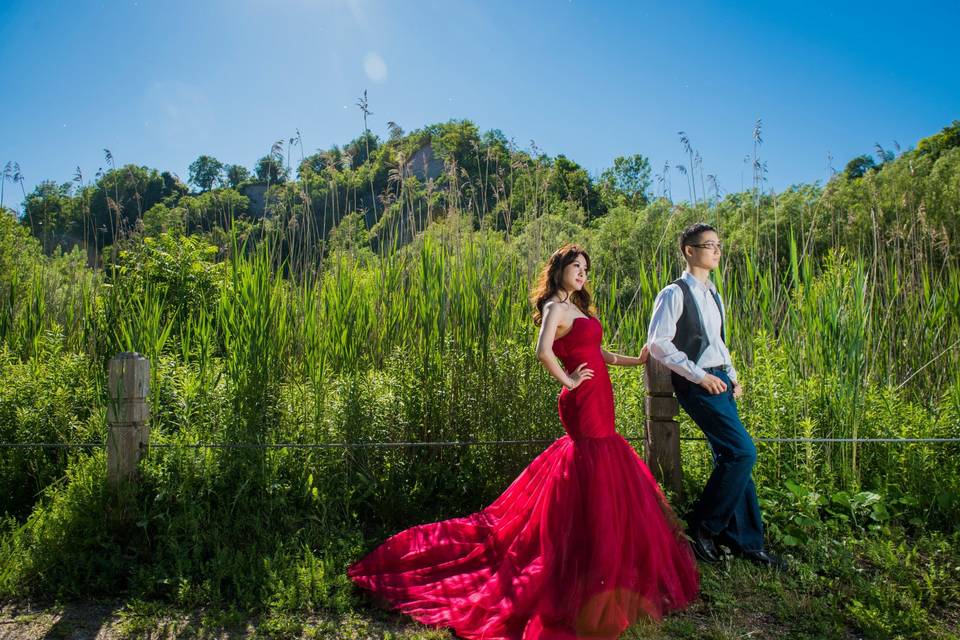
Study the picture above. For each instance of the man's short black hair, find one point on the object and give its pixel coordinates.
(691, 234)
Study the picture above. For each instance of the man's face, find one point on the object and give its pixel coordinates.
(705, 251)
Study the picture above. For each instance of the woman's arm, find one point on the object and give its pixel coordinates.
(626, 361)
(552, 315)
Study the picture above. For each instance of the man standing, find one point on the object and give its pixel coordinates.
(687, 334)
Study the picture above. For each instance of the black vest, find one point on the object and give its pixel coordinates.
(691, 337)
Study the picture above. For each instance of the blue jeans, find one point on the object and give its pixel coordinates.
(728, 504)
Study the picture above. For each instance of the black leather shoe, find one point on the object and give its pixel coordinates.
(703, 547)
(765, 559)
(725, 544)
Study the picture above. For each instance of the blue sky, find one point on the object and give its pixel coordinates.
(159, 83)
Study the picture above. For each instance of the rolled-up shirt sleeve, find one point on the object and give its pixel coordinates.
(731, 372)
(667, 309)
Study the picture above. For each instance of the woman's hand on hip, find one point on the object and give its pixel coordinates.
(579, 375)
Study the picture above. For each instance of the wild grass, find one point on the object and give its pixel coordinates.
(837, 333)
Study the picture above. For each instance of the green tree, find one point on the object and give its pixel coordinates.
(454, 140)
(121, 196)
(50, 214)
(182, 270)
(173, 186)
(567, 181)
(237, 174)
(19, 253)
(627, 182)
(947, 138)
(270, 170)
(219, 208)
(206, 171)
(161, 219)
(859, 166)
(362, 147)
(313, 164)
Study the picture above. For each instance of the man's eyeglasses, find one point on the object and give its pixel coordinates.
(713, 246)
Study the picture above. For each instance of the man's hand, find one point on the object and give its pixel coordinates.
(713, 384)
(737, 390)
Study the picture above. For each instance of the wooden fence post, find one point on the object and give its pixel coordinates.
(128, 415)
(662, 440)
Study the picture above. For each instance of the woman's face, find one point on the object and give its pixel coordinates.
(574, 275)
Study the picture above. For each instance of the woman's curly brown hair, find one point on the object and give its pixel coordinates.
(550, 280)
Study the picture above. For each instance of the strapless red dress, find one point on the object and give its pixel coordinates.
(580, 545)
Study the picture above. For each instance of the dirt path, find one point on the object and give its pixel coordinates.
(106, 621)
(97, 620)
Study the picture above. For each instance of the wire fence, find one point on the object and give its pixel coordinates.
(450, 443)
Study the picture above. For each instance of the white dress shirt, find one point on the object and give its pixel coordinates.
(663, 326)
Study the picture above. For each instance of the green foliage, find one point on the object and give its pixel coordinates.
(361, 149)
(627, 182)
(454, 139)
(540, 237)
(859, 166)
(313, 164)
(206, 171)
(51, 399)
(217, 209)
(935, 145)
(19, 253)
(236, 175)
(403, 184)
(329, 321)
(270, 170)
(350, 236)
(51, 217)
(73, 537)
(118, 200)
(161, 219)
(568, 183)
(181, 269)
(201, 529)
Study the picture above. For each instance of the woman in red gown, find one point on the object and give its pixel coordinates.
(581, 544)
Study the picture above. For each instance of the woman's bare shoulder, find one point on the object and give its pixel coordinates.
(555, 305)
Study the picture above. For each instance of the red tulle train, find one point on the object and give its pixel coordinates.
(580, 545)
